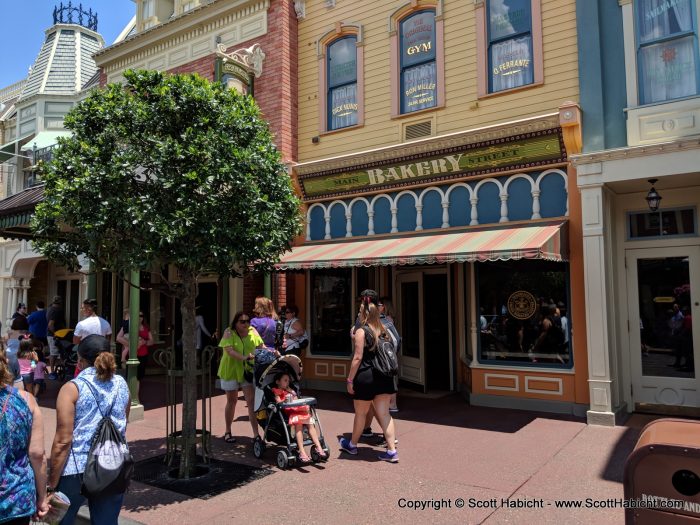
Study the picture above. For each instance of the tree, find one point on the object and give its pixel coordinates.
(168, 169)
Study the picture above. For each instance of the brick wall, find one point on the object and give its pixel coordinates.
(276, 94)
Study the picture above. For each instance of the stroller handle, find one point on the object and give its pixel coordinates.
(301, 402)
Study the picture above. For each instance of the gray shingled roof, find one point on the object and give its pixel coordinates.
(57, 69)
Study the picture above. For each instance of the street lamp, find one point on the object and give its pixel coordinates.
(653, 198)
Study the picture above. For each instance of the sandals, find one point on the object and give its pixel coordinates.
(304, 458)
(228, 438)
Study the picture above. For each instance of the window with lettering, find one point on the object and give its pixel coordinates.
(510, 44)
(418, 63)
(342, 83)
(667, 50)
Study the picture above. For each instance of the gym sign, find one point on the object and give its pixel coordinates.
(471, 160)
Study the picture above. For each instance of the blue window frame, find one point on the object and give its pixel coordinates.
(341, 68)
(509, 44)
(418, 61)
(667, 50)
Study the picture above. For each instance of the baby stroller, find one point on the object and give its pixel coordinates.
(272, 418)
(67, 354)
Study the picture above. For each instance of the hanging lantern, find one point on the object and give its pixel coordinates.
(653, 198)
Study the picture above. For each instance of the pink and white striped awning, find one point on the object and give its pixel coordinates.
(538, 241)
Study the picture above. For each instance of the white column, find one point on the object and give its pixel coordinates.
(348, 224)
(394, 219)
(25, 291)
(475, 214)
(370, 223)
(13, 297)
(308, 227)
(327, 218)
(598, 326)
(504, 207)
(445, 214)
(536, 204)
(419, 217)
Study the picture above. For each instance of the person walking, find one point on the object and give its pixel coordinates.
(295, 337)
(79, 408)
(21, 311)
(38, 323)
(386, 315)
(236, 370)
(265, 321)
(92, 324)
(367, 385)
(23, 494)
(56, 320)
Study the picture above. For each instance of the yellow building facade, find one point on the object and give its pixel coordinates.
(433, 143)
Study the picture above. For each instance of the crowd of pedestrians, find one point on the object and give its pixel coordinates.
(29, 492)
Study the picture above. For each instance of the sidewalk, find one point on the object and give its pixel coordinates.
(448, 451)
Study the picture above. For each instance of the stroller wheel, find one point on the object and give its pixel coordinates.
(282, 459)
(258, 447)
(314, 454)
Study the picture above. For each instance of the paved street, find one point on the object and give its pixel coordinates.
(448, 451)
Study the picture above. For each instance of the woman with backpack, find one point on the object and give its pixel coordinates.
(80, 408)
(368, 386)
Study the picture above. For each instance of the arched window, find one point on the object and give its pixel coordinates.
(418, 75)
(342, 96)
(510, 44)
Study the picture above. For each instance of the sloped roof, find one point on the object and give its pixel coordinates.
(23, 201)
(59, 69)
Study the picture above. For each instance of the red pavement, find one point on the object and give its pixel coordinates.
(448, 450)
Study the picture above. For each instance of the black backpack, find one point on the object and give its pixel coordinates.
(384, 359)
(109, 465)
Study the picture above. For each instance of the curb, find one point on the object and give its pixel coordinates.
(83, 518)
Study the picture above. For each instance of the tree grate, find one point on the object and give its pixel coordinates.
(210, 479)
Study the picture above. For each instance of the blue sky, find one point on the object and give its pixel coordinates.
(24, 23)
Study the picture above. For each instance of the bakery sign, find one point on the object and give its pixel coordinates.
(457, 163)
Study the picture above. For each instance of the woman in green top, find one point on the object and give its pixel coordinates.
(239, 344)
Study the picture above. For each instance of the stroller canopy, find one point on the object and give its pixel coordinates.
(288, 364)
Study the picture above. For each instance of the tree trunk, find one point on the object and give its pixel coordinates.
(189, 367)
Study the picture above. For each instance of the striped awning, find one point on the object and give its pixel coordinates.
(539, 241)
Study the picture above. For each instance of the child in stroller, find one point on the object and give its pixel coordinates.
(298, 417)
(276, 413)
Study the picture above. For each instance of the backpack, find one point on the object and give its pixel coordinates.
(109, 465)
(279, 334)
(384, 359)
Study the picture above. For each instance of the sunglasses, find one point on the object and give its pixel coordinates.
(244, 321)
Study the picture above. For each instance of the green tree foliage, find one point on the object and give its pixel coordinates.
(168, 169)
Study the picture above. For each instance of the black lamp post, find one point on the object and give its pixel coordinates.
(653, 198)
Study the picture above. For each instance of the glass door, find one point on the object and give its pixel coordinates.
(663, 300)
(409, 287)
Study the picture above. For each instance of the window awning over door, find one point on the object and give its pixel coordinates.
(537, 241)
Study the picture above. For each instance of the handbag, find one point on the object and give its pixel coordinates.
(109, 465)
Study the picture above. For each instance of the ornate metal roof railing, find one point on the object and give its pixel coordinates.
(71, 14)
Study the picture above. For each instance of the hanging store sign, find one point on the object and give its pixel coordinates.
(475, 159)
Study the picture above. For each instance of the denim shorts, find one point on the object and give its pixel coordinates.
(229, 386)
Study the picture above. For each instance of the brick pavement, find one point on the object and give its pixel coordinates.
(448, 450)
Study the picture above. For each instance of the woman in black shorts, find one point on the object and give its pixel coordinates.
(367, 386)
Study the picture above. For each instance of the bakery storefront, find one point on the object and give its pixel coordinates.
(469, 237)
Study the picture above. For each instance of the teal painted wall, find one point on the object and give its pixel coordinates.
(602, 74)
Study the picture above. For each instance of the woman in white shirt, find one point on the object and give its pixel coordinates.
(91, 324)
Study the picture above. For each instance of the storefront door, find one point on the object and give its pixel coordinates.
(663, 295)
(409, 287)
(424, 324)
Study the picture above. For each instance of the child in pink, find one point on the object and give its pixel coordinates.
(298, 417)
(27, 358)
(39, 377)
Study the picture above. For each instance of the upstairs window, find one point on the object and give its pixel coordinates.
(510, 45)
(148, 9)
(342, 83)
(667, 50)
(418, 62)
